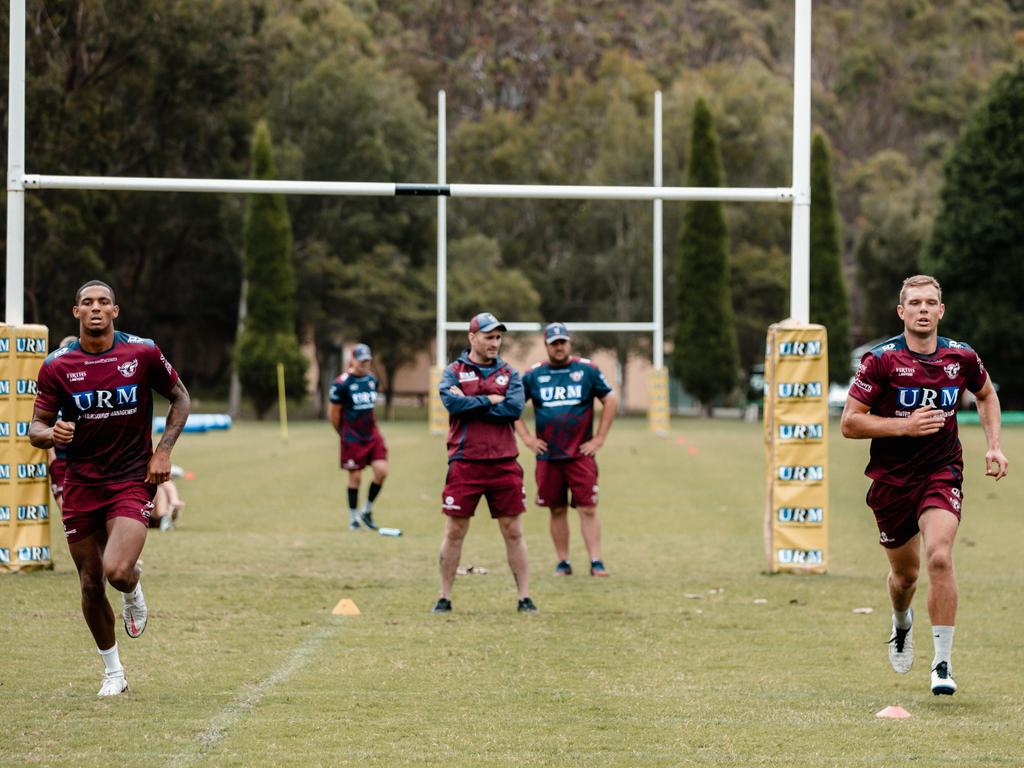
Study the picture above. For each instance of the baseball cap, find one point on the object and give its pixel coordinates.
(484, 323)
(555, 332)
(362, 352)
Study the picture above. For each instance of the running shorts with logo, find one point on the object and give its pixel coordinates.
(500, 480)
(897, 508)
(87, 508)
(357, 455)
(556, 478)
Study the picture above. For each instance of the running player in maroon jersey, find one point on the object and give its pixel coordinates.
(102, 384)
(905, 398)
(483, 396)
(563, 390)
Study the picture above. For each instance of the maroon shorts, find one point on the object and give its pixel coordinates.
(57, 469)
(501, 481)
(897, 508)
(87, 508)
(556, 478)
(359, 455)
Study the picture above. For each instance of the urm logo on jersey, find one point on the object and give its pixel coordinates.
(567, 395)
(912, 397)
(106, 398)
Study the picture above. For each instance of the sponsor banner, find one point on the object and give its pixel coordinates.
(658, 401)
(26, 510)
(796, 448)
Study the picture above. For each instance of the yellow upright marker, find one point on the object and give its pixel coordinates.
(345, 607)
(282, 404)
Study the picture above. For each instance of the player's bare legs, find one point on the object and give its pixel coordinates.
(515, 549)
(590, 528)
(455, 529)
(559, 527)
(380, 472)
(904, 567)
(99, 616)
(125, 539)
(939, 528)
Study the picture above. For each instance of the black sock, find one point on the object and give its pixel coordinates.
(374, 490)
(353, 498)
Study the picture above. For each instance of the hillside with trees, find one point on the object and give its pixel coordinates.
(539, 92)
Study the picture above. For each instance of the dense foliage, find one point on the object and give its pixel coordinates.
(268, 333)
(977, 247)
(830, 304)
(705, 356)
(544, 91)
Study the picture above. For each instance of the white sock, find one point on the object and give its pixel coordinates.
(133, 596)
(943, 638)
(353, 515)
(903, 619)
(111, 661)
(367, 507)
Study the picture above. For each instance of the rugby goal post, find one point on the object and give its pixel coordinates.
(797, 195)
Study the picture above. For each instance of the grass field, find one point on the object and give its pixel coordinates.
(667, 663)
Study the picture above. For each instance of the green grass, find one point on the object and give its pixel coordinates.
(243, 663)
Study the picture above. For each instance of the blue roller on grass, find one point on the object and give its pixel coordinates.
(198, 422)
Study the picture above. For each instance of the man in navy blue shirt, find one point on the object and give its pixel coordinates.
(484, 397)
(563, 390)
(353, 396)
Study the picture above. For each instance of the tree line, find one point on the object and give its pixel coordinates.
(540, 92)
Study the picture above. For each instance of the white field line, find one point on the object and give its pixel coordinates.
(246, 702)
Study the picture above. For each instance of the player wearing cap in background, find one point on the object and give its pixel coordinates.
(484, 397)
(563, 390)
(353, 396)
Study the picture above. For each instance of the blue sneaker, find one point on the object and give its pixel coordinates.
(597, 568)
(563, 568)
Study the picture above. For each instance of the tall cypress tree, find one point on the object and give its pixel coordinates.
(830, 302)
(269, 335)
(977, 244)
(705, 357)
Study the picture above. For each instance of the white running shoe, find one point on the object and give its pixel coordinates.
(901, 647)
(942, 680)
(135, 612)
(114, 684)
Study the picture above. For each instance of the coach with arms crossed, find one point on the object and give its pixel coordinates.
(484, 397)
(905, 398)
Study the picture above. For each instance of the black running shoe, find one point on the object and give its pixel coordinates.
(443, 605)
(367, 520)
(526, 606)
(563, 568)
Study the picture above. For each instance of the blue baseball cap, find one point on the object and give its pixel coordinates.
(362, 352)
(485, 322)
(555, 332)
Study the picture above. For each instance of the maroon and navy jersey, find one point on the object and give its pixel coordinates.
(894, 382)
(563, 400)
(109, 396)
(357, 396)
(478, 430)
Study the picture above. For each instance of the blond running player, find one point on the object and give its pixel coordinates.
(905, 398)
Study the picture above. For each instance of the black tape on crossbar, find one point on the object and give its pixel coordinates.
(423, 190)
